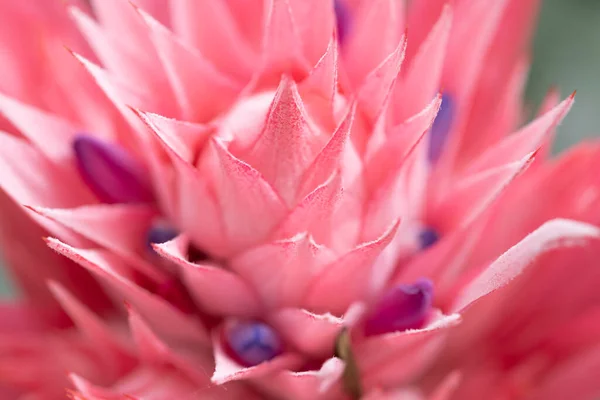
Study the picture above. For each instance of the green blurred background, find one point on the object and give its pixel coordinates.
(565, 55)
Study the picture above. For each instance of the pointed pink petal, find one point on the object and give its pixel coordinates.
(281, 271)
(422, 79)
(377, 31)
(306, 385)
(386, 157)
(551, 100)
(156, 383)
(526, 140)
(576, 378)
(513, 262)
(163, 317)
(320, 87)
(479, 23)
(492, 120)
(227, 370)
(191, 75)
(138, 63)
(313, 214)
(122, 93)
(56, 137)
(314, 20)
(288, 143)
(152, 350)
(120, 18)
(473, 194)
(29, 178)
(193, 206)
(393, 359)
(250, 207)
(121, 228)
(312, 334)
(217, 37)
(110, 347)
(216, 290)
(330, 158)
(378, 84)
(347, 279)
(282, 44)
(184, 138)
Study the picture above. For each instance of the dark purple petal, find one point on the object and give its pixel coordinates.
(111, 172)
(342, 15)
(252, 342)
(427, 238)
(440, 128)
(403, 307)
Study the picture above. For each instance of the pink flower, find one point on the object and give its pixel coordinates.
(289, 205)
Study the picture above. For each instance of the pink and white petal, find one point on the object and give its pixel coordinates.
(348, 278)
(422, 78)
(393, 359)
(216, 290)
(191, 75)
(281, 271)
(312, 334)
(227, 370)
(377, 32)
(250, 207)
(163, 317)
(288, 143)
(218, 37)
(121, 228)
(51, 134)
(553, 234)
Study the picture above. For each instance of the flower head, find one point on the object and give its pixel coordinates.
(292, 200)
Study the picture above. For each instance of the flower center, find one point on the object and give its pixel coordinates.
(441, 127)
(111, 172)
(251, 342)
(404, 307)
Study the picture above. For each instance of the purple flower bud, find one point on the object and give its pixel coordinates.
(160, 232)
(111, 172)
(342, 15)
(403, 307)
(252, 342)
(441, 128)
(427, 238)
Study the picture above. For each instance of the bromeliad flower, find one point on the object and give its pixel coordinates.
(291, 198)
